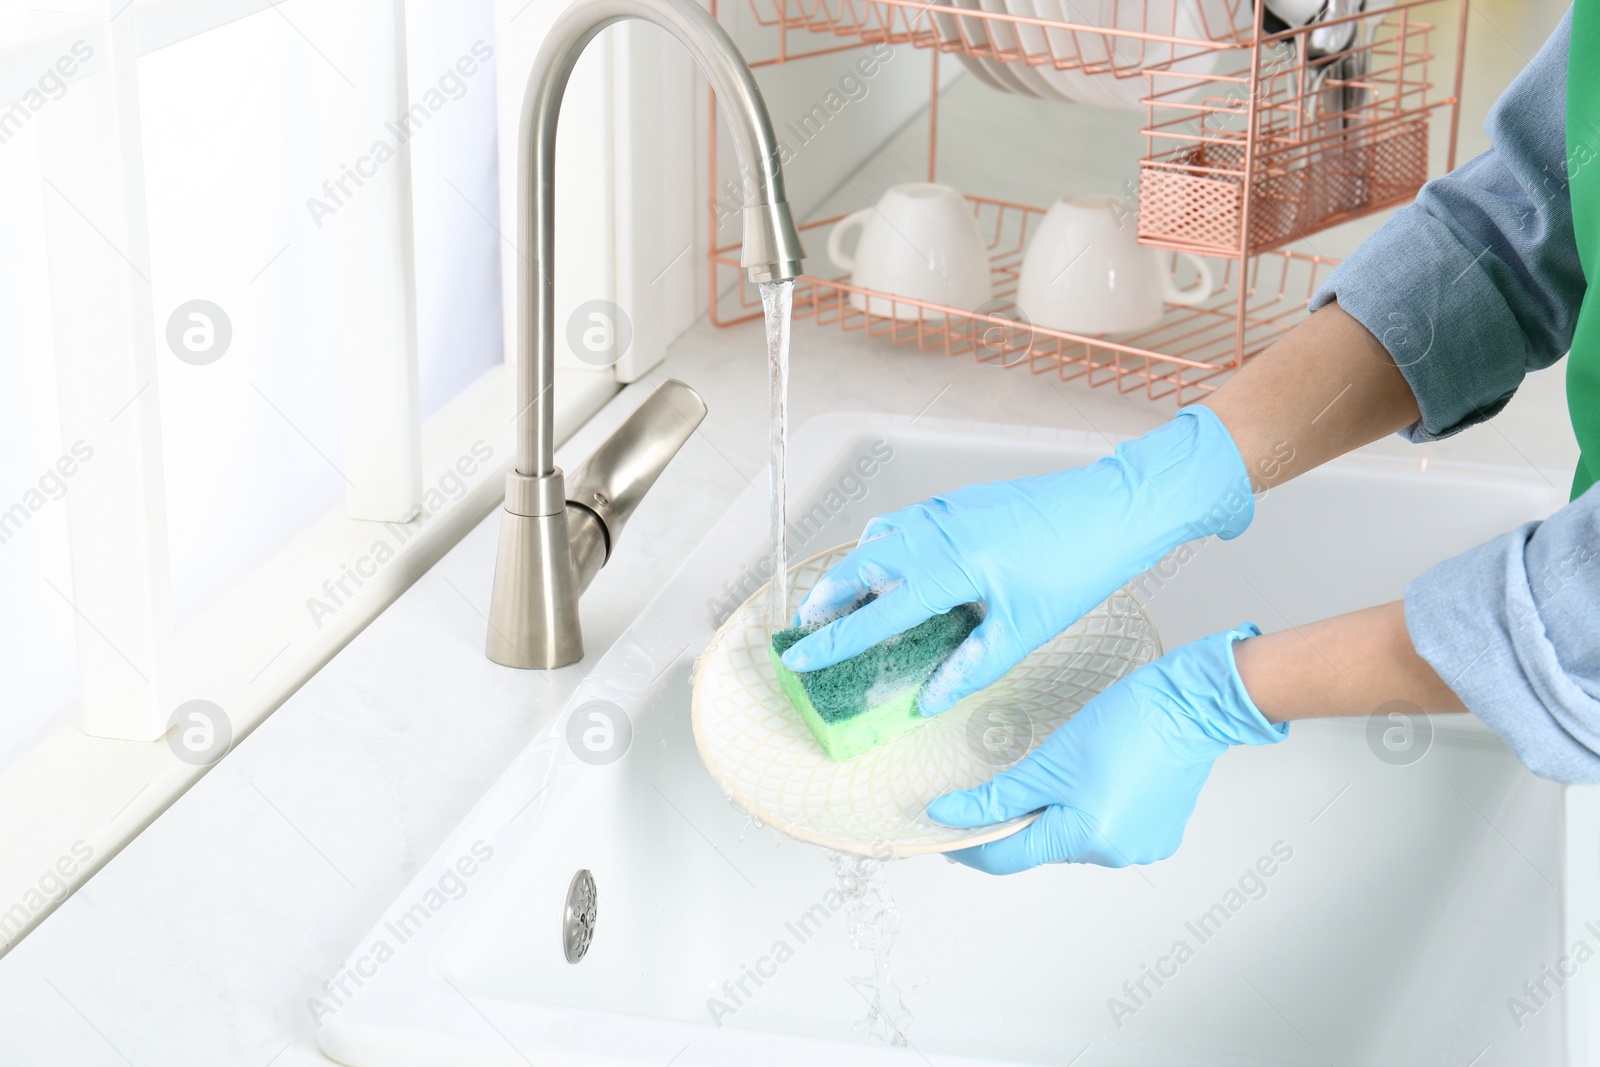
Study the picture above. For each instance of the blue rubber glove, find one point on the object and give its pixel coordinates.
(1118, 781)
(1037, 552)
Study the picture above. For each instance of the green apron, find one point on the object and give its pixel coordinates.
(1583, 121)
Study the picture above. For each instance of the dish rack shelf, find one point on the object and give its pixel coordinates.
(1184, 354)
(1124, 45)
(1254, 141)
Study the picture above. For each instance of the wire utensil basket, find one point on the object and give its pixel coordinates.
(1254, 142)
(1283, 146)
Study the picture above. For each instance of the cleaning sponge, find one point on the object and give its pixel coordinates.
(864, 701)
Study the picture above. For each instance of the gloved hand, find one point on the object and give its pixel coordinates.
(1118, 781)
(1037, 552)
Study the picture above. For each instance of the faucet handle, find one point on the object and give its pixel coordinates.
(610, 484)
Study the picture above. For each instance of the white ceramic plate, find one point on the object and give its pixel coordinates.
(1085, 87)
(1182, 18)
(1059, 84)
(978, 35)
(1003, 35)
(762, 754)
(945, 23)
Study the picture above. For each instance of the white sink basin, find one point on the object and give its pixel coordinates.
(1405, 903)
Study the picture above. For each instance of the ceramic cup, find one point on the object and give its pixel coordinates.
(920, 241)
(1086, 272)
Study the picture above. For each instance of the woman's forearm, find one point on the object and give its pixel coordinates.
(1347, 665)
(1327, 387)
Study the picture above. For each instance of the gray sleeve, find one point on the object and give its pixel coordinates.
(1478, 281)
(1512, 626)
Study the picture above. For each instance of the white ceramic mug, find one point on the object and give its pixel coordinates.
(920, 241)
(1086, 272)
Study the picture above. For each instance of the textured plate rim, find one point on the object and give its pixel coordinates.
(813, 837)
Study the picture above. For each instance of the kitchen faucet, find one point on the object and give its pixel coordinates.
(556, 533)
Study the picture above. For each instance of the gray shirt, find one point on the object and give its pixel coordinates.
(1469, 288)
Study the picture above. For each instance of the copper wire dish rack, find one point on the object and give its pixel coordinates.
(1250, 149)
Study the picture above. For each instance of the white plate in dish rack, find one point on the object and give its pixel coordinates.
(949, 32)
(761, 752)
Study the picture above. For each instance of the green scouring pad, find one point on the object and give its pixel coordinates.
(864, 701)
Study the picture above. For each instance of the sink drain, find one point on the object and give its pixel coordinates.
(577, 921)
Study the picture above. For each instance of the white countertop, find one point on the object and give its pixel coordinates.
(203, 940)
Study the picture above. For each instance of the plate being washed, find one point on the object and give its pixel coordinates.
(762, 754)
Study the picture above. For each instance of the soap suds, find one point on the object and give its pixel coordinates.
(886, 688)
(953, 672)
(831, 598)
(877, 580)
(834, 597)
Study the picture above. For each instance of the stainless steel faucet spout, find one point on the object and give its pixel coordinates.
(549, 548)
(771, 242)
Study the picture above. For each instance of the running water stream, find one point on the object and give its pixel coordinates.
(874, 920)
(777, 301)
(873, 917)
